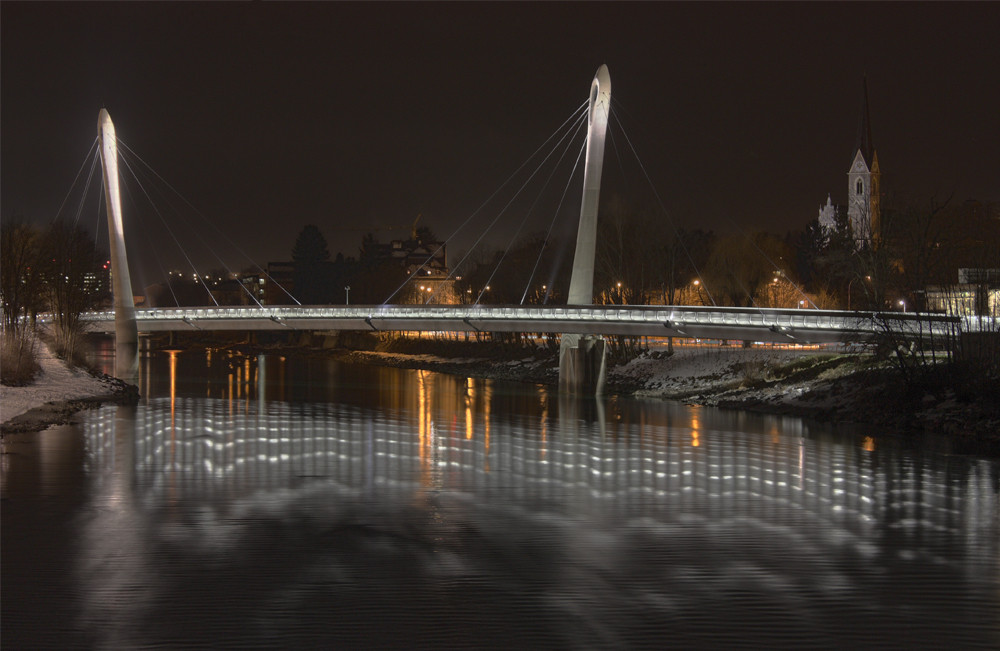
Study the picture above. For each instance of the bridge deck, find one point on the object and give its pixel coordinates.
(774, 325)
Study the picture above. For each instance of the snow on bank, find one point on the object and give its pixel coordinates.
(689, 371)
(56, 383)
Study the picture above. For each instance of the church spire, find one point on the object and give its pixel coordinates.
(864, 141)
(864, 181)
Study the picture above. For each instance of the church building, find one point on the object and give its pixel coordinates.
(863, 186)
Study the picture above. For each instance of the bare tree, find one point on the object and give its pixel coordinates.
(629, 257)
(740, 267)
(74, 275)
(920, 237)
(20, 281)
(19, 289)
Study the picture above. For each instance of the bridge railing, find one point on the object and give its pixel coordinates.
(672, 318)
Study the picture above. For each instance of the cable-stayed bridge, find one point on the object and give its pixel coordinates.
(748, 324)
(580, 324)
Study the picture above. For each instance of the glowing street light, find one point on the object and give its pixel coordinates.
(868, 278)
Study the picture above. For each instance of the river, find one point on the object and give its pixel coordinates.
(275, 502)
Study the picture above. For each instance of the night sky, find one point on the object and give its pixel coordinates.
(268, 117)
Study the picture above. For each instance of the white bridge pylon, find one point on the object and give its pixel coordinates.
(126, 332)
(582, 359)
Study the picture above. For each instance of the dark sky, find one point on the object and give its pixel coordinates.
(268, 117)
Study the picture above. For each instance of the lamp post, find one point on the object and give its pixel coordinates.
(347, 295)
(868, 278)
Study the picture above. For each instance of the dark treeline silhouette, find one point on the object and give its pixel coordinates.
(642, 257)
(56, 269)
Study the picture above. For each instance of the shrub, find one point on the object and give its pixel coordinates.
(18, 364)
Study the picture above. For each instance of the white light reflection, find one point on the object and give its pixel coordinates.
(196, 451)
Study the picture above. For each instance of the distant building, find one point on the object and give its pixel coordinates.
(863, 186)
(423, 260)
(828, 214)
(98, 284)
(864, 182)
(421, 257)
(278, 283)
(227, 291)
(414, 255)
(977, 293)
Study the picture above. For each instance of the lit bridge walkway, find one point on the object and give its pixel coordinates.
(752, 324)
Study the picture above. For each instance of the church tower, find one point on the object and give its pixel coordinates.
(864, 181)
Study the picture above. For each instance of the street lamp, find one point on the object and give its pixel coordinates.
(902, 305)
(868, 278)
(347, 292)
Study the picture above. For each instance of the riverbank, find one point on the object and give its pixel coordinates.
(58, 392)
(827, 386)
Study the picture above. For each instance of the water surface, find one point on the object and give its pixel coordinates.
(283, 502)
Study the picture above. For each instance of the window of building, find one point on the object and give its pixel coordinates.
(860, 187)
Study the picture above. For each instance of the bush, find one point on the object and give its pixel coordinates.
(752, 373)
(18, 364)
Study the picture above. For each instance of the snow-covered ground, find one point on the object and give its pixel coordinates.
(56, 383)
(692, 370)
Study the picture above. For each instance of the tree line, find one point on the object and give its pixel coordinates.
(57, 269)
(642, 258)
(371, 276)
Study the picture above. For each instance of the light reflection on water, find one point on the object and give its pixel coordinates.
(280, 502)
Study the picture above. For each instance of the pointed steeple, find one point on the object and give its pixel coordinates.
(864, 142)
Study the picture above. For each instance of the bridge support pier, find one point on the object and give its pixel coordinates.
(582, 368)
